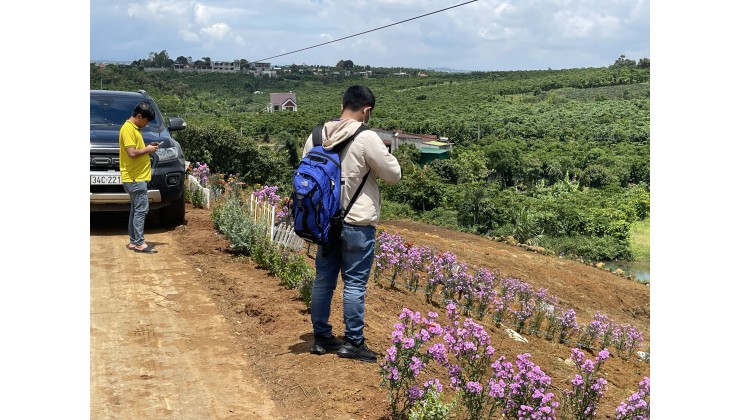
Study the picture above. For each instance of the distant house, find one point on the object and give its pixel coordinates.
(429, 145)
(262, 69)
(226, 66)
(433, 150)
(387, 136)
(213, 66)
(282, 102)
(417, 140)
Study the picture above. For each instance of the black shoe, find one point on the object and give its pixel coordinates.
(361, 352)
(321, 345)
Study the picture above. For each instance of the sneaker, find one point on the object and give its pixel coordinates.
(361, 352)
(321, 345)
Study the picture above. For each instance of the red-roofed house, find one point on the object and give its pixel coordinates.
(282, 102)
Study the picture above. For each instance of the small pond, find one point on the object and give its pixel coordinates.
(641, 269)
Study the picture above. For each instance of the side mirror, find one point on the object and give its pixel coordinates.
(177, 124)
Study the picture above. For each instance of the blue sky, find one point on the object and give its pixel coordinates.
(481, 35)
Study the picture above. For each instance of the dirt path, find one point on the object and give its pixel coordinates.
(159, 347)
(199, 332)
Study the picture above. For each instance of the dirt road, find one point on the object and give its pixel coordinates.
(159, 347)
(198, 331)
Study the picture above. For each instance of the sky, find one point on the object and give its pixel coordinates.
(483, 35)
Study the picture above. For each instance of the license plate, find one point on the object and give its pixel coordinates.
(105, 179)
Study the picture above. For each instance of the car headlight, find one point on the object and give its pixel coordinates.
(167, 153)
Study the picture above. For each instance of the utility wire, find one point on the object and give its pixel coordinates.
(365, 32)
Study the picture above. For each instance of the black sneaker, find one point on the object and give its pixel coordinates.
(321, 345)
(361, 352)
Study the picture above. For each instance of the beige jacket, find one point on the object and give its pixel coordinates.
(366, 153)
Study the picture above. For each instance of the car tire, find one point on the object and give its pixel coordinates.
(174, 214)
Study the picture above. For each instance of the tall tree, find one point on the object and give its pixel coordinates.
(160, 59)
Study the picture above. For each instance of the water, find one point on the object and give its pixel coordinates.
(641, 269)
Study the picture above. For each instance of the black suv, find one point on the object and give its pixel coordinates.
(108, 111)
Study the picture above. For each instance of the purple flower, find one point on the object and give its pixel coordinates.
(474, 387)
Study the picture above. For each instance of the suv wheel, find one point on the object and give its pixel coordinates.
(174, 214)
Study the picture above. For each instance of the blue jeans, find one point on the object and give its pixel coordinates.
(139, 209)
(354, 259)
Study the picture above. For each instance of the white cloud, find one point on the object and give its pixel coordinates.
(201, 13)
(188, 36)
(573, 25)
(157, 9)
(217, 30)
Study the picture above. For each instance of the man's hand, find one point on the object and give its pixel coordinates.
(151, 148)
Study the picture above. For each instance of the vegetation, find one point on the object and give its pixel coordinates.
(555, 158)
(640, 239)
(482, 384)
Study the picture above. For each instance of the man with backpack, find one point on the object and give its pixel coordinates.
(352, 255)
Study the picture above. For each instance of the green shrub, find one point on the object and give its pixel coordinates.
(231, 217)
(431, 408)
(393, 210)
(440, 217)
(589, 247)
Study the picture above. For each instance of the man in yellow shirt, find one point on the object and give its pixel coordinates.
(136, 171)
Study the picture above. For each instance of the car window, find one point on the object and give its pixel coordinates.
(114, 112)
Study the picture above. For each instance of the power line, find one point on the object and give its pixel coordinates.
(365, 32)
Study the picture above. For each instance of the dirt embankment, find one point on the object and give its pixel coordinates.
(198, 332)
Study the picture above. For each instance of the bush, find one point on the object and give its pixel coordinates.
(431, 408)
(231, 217)
(588, 247)
(394, 210)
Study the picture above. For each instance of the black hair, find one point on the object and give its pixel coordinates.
(356, 97)
(145, 109)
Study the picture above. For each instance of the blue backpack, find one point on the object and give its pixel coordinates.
(317, 186)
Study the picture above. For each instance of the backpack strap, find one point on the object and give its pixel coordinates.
(354, 197)
(362, 128)
(316, 135)
(317, 141)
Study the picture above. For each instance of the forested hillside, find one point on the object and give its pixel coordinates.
(555, 158)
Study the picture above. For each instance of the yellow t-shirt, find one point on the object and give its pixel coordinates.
(133, 169)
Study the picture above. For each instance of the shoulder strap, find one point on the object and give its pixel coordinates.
(317, 132)
(357, 194)
(316, 135)
(362, 128)
(344, 144)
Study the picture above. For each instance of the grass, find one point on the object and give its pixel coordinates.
(640, 239)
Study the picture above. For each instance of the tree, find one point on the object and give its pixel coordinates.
(160, 59)
(470, 204)
(622, 61)
(470, 166)
(596, 176)
(181, 60)
(345, 64)
(422, 190)
(408, 157)
(504, 157)
(445, 169)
